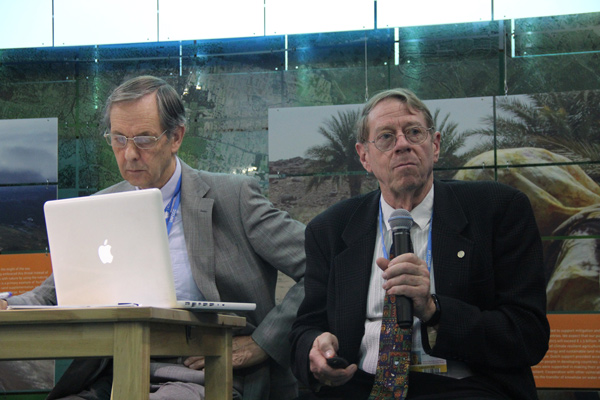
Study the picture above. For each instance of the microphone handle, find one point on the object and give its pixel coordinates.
(404, 305)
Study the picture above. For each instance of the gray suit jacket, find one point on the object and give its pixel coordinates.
(237, 242)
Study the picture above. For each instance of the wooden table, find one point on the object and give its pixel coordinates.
(129, 334)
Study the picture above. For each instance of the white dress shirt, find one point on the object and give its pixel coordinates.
(369, 349)
(185, 286)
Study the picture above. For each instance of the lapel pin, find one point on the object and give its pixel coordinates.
(460, 254)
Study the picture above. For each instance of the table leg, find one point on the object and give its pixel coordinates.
(131, 376)
(219, 369)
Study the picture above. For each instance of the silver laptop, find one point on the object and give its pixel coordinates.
(112, 249)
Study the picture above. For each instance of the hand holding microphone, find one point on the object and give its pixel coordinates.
(400, 221)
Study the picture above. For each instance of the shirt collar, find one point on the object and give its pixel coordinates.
(421, 214)
(168, 190)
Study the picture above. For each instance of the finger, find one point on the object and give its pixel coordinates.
(327, 344)
(382, 263)
(194, 362)
(413, 281)
(198, 365)
(191, 360)
(337, 377)
(348, 373)
(407, 269)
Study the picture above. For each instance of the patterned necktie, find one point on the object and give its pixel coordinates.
(391, 377)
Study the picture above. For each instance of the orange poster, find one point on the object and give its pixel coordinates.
(20, 273)
(573, 360)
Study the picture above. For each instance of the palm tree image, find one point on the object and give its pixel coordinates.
(451, 145)
(566, 123)
(337, 159)
(546, 144)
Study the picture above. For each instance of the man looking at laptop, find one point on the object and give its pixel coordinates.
(227, 243)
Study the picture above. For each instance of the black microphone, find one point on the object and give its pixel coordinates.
(400, 221)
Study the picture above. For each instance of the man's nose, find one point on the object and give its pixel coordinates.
(401, 142)
(131, 150)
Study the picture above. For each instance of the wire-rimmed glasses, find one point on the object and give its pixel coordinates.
(386, 141)
(142, 142)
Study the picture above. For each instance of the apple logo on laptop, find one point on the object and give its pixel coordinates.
(104, 253)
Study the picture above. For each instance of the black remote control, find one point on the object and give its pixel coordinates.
(337, 362)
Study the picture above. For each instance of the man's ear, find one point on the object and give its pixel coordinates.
(177, 139)
(363, 155)
(436, 141)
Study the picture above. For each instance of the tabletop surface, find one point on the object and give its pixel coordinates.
(114, 314)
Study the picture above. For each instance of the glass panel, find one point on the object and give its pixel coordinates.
(305, 16)
(557, 192)
(571, 34)
(292, 131)
(231, 56)
(22, 223)
(548, 74)
(79, 23)
(392, 13)
(312, 160)
(213, 19)
(35, 32)
(29, 151)
(507, 9)
(344, 49)
(563, 123)
(459, 121)
(572, 264)
(304, 197)
(449, 61)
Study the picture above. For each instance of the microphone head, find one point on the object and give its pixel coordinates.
(400, 219)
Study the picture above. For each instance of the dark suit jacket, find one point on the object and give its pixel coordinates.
(493, 299)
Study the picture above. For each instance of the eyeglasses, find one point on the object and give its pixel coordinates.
(413, 135)
(142, 142)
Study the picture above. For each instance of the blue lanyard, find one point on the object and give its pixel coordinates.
(173, 206)
(385, 252)
(429, 257)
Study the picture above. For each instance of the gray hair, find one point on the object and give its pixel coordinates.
(171, 110)
(404, 95)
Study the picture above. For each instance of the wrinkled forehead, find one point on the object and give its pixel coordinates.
(394, 112)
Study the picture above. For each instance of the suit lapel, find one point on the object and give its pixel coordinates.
(197, 214)
(452, 251)
(352, 271)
